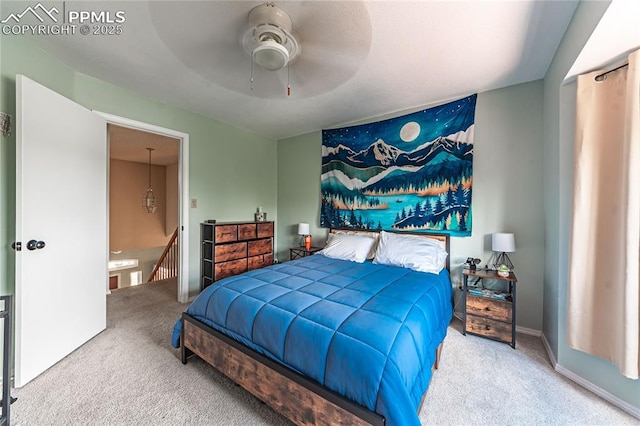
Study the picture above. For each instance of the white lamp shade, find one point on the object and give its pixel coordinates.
(271, 55)
(303, 229)
(503, 242)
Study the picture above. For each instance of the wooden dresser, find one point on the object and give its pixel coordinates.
(231, 248)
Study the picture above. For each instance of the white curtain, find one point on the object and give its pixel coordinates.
(604, 290)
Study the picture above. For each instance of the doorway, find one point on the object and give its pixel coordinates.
(143, 236)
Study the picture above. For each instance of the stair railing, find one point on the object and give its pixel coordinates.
(167, 266)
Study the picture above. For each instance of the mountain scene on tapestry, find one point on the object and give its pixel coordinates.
(411, 173)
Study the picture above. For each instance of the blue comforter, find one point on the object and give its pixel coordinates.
(368, 332)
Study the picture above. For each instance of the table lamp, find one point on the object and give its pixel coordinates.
(303, 231)
(503, 243)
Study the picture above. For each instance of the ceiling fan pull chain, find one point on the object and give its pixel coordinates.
(251, 85)
(288, 84)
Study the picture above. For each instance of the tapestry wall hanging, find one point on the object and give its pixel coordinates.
(410, 173)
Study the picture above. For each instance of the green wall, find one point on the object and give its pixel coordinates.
(559, 113)
(299, 167)
(507, 189)
(231, 171)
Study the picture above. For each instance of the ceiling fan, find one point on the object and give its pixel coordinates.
(269, 39)
(321, 43)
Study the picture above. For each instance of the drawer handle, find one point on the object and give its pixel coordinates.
(487, 308)
(486, 327)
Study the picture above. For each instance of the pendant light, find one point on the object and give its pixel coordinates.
(149, 201)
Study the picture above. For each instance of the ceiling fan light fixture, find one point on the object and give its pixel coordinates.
(269, 39)
(270, 55)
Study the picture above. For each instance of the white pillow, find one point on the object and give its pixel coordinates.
(374, 235)
(417, 253)
(347, 247)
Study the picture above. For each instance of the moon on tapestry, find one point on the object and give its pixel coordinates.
(410, 173)
(410, 131)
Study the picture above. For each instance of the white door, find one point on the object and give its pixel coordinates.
(61, 203)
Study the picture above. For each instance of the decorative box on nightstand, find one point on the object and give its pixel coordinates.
(487, 313)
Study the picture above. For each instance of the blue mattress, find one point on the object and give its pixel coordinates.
(366, 331)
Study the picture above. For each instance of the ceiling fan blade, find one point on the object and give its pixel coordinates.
(335, 38)
(213, 51)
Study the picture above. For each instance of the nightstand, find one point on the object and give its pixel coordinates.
(487, 313)
(298, 252)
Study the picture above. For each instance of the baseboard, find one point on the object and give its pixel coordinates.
(529, 331)
(547, 346)
(623, 405)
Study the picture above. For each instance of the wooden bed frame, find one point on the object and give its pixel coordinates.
(296, 397)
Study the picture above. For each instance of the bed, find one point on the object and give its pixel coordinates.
(326, 339)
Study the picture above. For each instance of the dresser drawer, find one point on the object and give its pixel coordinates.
(247, 231)
(489, 328)
(227, 269)
(263, 246)
(257, 262)
(265, 230)
(225, 252)
(226, 233)
(490, 308)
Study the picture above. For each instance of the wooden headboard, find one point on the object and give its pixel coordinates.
(443, 239)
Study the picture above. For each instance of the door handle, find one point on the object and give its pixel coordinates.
(34, 244)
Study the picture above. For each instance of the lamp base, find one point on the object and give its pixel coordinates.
(503, 259)
(305, 241)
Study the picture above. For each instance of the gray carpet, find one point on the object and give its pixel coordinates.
(129, 374)
(482, 382)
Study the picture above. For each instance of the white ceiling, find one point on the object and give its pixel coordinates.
(131, 145)
(359, 60)
(616, 35)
